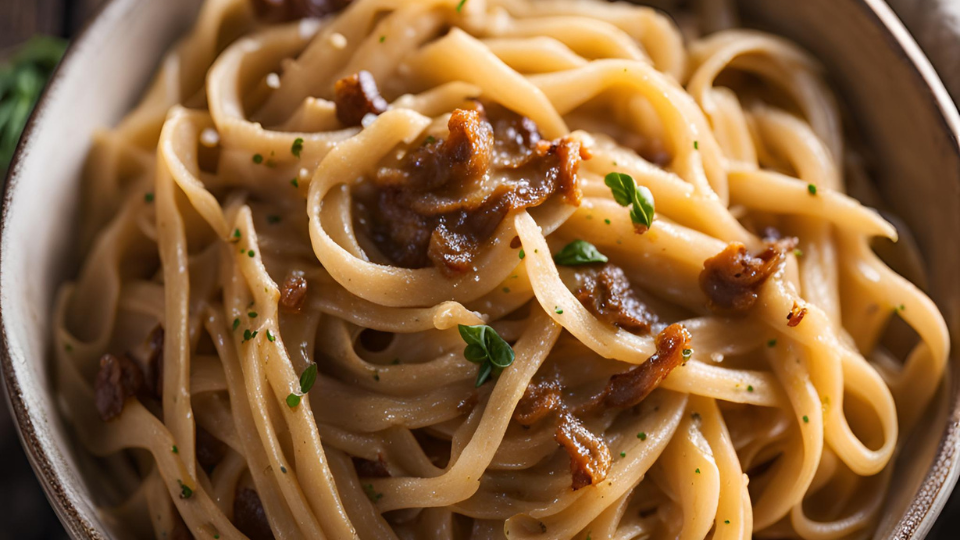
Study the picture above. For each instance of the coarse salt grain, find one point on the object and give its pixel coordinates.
(338, 40)
(273, 81)
(209, 137)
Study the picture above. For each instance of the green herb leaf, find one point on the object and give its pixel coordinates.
(270, 337)
(772, 343)
(579, 252)
(522, 254)
(642, 436)
(236, 323)
(307, 378)
(485, 369)
(293, 400)
(148, 197)
(812, 189)
(297, 147)
(806, 419)
(294, 183)
(175, 450)
(252, 314)
(627, 193)
(487, 348)
(22, 79)
(460, 5)
(258, 158)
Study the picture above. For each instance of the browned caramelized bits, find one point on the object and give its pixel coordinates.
(288, 10)
(630, 388)
(118, 379)
(357, 96)
(733, 278)
(442, 200)
(589, 456)
(538, 401)
(607, 294)
(371, 469)
(293, 292)
(249, 515)
(796, 315)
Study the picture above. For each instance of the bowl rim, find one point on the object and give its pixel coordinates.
(920, 515)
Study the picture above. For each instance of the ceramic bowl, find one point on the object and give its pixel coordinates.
(900, 107)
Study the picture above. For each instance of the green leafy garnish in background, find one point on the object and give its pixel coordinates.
(22, 78)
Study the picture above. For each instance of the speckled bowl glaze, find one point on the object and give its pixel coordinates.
(893, 95)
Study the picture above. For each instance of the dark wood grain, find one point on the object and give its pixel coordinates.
(20, 19)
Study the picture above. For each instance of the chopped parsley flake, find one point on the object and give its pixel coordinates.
(293, 400)
(749, 388)
(270, 336)
(806, 419)
(236, 323)
(251, 253)
(371, 493)
(175, 450)
(506, 290)
(283, 469)
(812, 189)
(697, 471)
(558, 310)
(522, 254)
(297, 147)
(798, 253)
(623, 454)
(772, 343)
(294, 183)
(258, 158)
(148, 197)
(642, 436)
(460, 5)
(252, 314)
(185, 491)
(727, 521)
(383, 38)
(696, 145)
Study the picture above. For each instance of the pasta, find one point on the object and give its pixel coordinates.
(488, 269)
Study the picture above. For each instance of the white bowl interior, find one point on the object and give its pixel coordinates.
(909, 124)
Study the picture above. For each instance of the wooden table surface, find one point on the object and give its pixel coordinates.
(20, 19)
(24, 512)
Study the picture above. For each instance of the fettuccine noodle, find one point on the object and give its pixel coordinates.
(234, 242)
